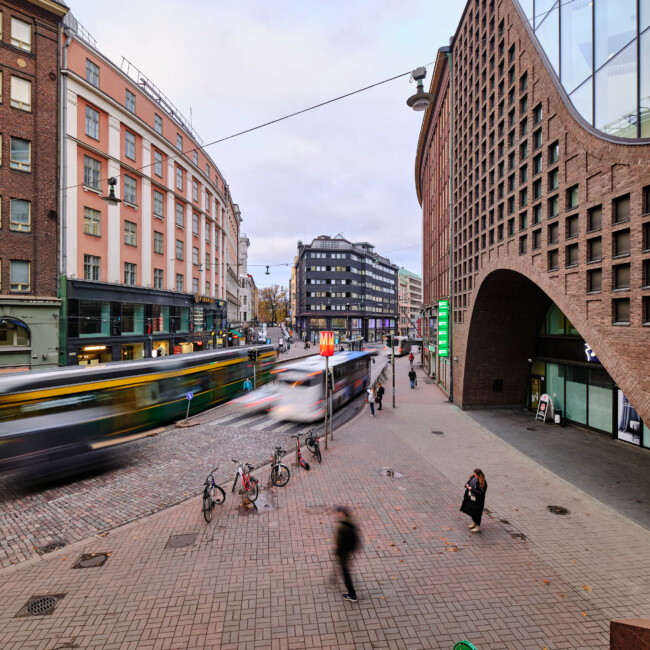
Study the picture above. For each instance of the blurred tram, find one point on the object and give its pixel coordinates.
(61, 416)
(301, 386)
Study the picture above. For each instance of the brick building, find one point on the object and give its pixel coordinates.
(29, 307)
(543, 115)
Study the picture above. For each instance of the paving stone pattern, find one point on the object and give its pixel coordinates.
(262, 578)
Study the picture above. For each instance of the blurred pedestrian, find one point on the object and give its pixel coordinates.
(474, 499)
(371, 400)
(347, 543)
(248, 385)
(412, 377)
(379, 395)
(411, 358)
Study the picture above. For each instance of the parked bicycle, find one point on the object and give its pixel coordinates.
(313, 445)
(280, 473)
(299, 457)
(213, 495)
(249, 483)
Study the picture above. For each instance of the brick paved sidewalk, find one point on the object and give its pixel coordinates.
(261, 579)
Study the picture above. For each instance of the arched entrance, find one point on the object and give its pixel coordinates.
(15, 344)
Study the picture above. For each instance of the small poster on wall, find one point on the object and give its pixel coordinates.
(630, 425)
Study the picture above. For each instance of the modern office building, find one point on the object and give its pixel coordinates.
(29, 306)
(150, 273)
(344, 287)
(533, 172)
(409, 297)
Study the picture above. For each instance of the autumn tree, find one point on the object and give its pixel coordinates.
(273, 304)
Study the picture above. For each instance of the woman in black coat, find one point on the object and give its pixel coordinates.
(474, 499)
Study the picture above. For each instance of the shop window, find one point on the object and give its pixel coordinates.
(572, 198)
(621, 209)
(13, 333)
(553, 233)
(595, 249)
(132, 318)
(621, 277)
(572, 227)
(571, 255)
(553, 260)
(595, 218)
(537, 239)
(594, 280)
(621, 311)
(621, 243)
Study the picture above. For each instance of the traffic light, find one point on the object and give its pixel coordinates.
(389, 341)
(252, 355)
(330, 380)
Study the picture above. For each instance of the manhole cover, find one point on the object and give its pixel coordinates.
(390, 473)
(439, 433)
(52, 546)
(40, 605)
(180, 541)
(558, 510)
(88, 560)
(520, 536)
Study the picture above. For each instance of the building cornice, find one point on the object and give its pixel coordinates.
(53, 7)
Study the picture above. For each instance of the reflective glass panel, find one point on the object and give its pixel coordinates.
(600, 400)
(645, 81)
(644, 19)
(527, 6)
(575, 44)
(576, 394)
(616, 110)
(555, 384)
(582, 100)
(542, 7)
(548, 35)
(615, 27)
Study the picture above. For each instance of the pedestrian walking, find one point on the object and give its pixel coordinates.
(347, 543)
(379, 395)
(371, 400)
(248, 385)
(411, 358)
(474, 499)
(412, 378)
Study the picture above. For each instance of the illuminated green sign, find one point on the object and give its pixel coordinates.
(443, 328)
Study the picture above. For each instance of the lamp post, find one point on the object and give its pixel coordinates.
(347, 323)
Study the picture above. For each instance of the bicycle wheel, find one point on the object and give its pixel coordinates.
(318, 455)
(311, 444)
(219, 495)
(253, 491)
(234, 485)
(280, 475)
(207, 505)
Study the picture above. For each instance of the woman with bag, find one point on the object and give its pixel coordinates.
(474, 499)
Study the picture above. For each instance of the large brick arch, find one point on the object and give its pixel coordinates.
(509, 303)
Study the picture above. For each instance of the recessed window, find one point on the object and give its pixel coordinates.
(621, 243)
(537, 239)
(646, 273)
(130, 101)
(129, 145)
(500, 232)
(21, 155)
(511, 227)
(130, 190)
(523, 174)
(179, 142)
(537, 164)
(130, 233)
(180, 282)
(595, 218)
(179, 178)
(553, 233)
(130, 273)
(20, 217)
(157, 124)
(572, 226)
(523, 82)
(621, 209)
(554, 153)
(208, 231)
(594, 280)
(538, 113)
(595, 249)
(553, 260)
(92, 267)
(92, 222)
(158, 279)
(21, 94)
(621, 276)
(180, 250)
(646, 236)
(523, 197)
(158, 242)
(523, 244)
(645, 308)
(92, 73)
(511, 205)
(537, 189)
(553, 207)
(571, 255)
(195, 255)
(92, 172)
(195, 224)
(572, 197)
(645, 201)
(158, 204)
(537, 139)
(195, 190)
(523, 105)
(180, 215)
(157, 163)
(511, 138)
(92, 123)
(553, 180)
(511, 183)
(523, 221)
(21, 35)
(523, 150)
(523, 127)
(537, 213)
(19, 276)
(621, 311)
(195, 157)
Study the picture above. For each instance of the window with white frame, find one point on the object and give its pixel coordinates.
(180, 215)
(21, 155)
(207, 201)
(180, 250)
(195, 224)
(195, 157)
(179, 142)
(130, 190)
(92, 73)
(207, 261)
(195, 285)
(157, 163)
(92, 123)
(21, 93)
(207, 170)
(130, 273)
(158, 204)
(129, 145)
(21, 34)
(92, 265)
(92, 222)
(19, 276)
(158, 279)
(130, 233)
(130, 101)
(180, 282)
(195, 190)
(158, 242)
(157, 123)
(92, 172)
(179, 178)
(20, 215)
(208, 228)
(195, 255)
(207, 288)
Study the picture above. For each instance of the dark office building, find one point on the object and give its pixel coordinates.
(344, 287)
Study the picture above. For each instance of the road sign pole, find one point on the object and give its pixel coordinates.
(327, 387)
(393, 362)
(254, 371)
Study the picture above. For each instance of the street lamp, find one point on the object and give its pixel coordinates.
(111, 199)
(421, 100)
(347, 322)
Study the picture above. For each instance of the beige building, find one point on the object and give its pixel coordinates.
(410, 304)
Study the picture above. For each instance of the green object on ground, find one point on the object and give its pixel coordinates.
(465, 645)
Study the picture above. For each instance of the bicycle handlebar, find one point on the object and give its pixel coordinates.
(214, 470)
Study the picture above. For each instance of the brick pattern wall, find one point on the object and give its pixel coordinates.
(39, 245)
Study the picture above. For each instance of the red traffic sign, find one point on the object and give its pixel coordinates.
(327, 344)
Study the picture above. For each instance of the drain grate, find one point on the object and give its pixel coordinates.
(438, 433)
(558, 510)
(181, 541)
(40, 605)
(89, 560)
(52, 546)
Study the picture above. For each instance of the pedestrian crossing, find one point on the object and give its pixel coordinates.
(262, 422)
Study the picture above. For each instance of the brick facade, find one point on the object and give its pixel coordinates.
(511, 257)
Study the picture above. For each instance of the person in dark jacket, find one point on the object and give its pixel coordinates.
(379, 395)
(347, 541)
(412, 377)
(474, 499)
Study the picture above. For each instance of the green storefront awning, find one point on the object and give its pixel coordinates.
(237, 333)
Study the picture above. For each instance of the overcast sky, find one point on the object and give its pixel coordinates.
(347, 167)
